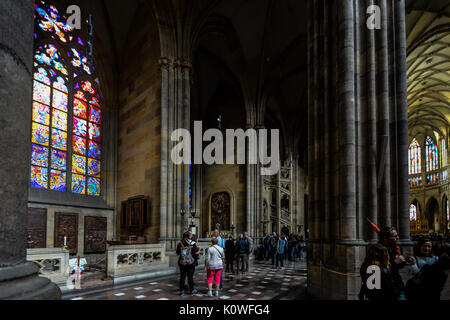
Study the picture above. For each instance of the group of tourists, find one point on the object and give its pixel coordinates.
(278, 249)
(430, 272)
(223, 252)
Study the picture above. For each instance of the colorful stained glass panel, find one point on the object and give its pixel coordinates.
(79, 145)
(95, 115)
(78, 164)
(40, 134)
(60, 100)
(57, 180)
(41, 113)
(94, 150)
(41, 93)
(59, 160)
(94, 132)
(60, 85)
(94, 168)
(42, 76)
(59, 139)
(39, 155)
(78, 184)
(80, 95)
(93, 187)
(79, 108)
(87, 86)
(39, 177)
(79, 127)
(59, 120)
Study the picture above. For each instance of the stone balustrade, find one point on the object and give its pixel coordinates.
(53, 263)
(135, 262)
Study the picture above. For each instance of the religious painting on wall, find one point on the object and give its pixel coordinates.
(221, 211)
(37, 228)
(66, 225)
(95, 232)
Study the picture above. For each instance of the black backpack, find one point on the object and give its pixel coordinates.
(415, 287)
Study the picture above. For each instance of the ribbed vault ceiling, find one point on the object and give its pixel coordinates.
(428, 41)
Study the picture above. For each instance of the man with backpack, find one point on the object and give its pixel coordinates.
(187, 251)
(241, 249)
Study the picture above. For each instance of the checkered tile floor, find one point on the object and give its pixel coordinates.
(262, 282)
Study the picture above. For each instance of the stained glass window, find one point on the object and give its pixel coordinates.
(448, 215)
(415, 182)
(432, 155)
(414, 156)
(413, 213)
(67, 113)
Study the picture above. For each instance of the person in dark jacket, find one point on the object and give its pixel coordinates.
(230, 253)
(429, 282)
(187, 270)
(242, 249)
(377, 255)
(388, 237)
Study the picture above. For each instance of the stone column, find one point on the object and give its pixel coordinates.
(18, 278)
(360, 73)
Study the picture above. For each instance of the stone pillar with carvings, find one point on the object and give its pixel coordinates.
(18, 278)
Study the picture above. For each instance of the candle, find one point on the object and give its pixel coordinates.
(65, 241)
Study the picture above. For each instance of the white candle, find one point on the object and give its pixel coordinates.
(65, 241)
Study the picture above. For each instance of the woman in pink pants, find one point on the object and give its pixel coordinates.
(214, 266)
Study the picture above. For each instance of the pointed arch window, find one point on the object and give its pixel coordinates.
(413, 212)
(67, 113)
(414, 155)
(432, 155)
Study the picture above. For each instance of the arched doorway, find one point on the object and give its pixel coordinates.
(432, 214)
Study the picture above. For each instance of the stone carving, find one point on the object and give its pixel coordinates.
(37, 228)
(285, 203)
(220, 211)
(49, 266)
(66, 224)
(138, 259)
(285, 174)
(95, 229)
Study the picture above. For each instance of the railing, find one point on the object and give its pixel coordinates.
(53, 263)
(133, 259)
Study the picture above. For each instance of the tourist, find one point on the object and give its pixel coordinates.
(273, 247)
(378, 255)
(230, 253)
(187, 250)
(302, 246)
(221, 243)
(250, 249)
(266, 247)
(388, 237)
(430, 281)
(241, 251)
(214, 266)
(424, 255)
(281, 250)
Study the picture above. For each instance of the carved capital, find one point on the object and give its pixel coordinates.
(165, 63)
(183, 63)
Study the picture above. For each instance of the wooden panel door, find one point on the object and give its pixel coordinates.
(66, 224)
(37, 228)
(95, 229)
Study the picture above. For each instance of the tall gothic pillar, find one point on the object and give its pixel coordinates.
(358, 138)
(18, 278)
